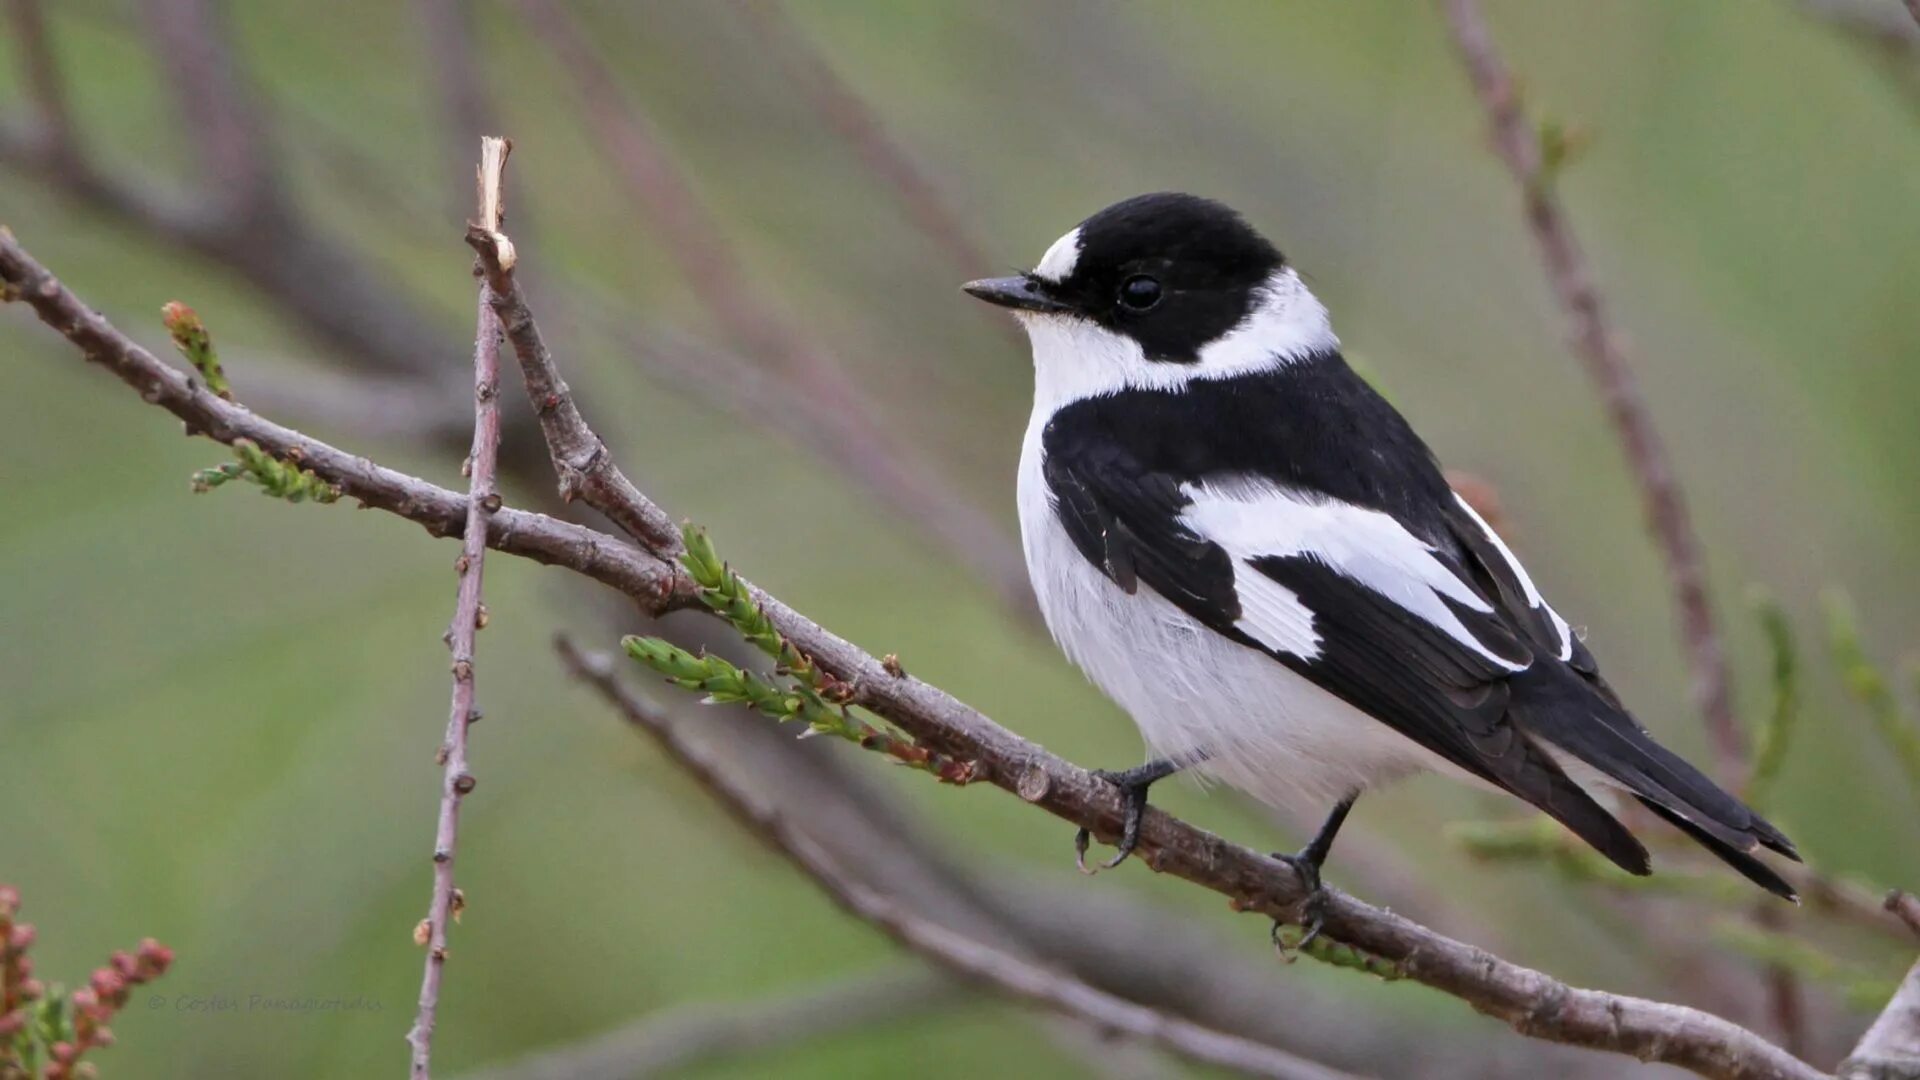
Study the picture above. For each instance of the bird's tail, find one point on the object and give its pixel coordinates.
(1570, 714)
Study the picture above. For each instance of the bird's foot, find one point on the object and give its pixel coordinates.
(1133, 785)
(1313, 909)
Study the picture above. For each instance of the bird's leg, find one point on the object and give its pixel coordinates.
(1307, 862)
(1133, 785)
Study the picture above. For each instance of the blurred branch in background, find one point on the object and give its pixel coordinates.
(890, 466)
(861, 127)
(670, 1042)
(1534, 157)
(248, 223)
(469, 615)
(466, 109)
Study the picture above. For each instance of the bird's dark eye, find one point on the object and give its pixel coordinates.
(1139, 292)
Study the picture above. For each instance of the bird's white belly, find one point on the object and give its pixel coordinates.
(1241, 716)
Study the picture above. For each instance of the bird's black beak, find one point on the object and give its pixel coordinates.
(1018, 293)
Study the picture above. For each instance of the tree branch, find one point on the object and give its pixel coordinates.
(1530, 1001)
(189, 38)
(1890, 1050)
(1601, 350)
(971, 959)
(581, 461)
(469, 615)
(640, 575)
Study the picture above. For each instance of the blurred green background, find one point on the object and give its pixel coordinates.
(219, 711)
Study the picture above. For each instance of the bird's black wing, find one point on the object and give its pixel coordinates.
(1444, 684)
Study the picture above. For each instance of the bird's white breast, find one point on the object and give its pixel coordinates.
(1258, 725)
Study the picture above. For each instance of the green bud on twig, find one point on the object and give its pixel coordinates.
(1561, 144)
(281, 479)
(191, 338)
(815, 696)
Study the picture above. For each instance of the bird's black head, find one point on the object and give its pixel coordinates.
(1173, 272)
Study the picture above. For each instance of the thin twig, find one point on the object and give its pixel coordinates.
(1532, 1002)
(969, 958)
(1601, 349)
(676, 1041)
(469, 615)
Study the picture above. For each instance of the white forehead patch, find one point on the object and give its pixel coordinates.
(1057, 264)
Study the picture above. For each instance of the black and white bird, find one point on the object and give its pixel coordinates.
(1252, 553)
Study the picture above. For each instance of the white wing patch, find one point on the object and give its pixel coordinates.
(1057, 264)
(1272, 614)
(1253, 520)
(1520, 574)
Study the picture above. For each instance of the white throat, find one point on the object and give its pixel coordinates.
(1075, 358)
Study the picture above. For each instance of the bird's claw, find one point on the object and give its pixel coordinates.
(1133, 793)
(1313, 908)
